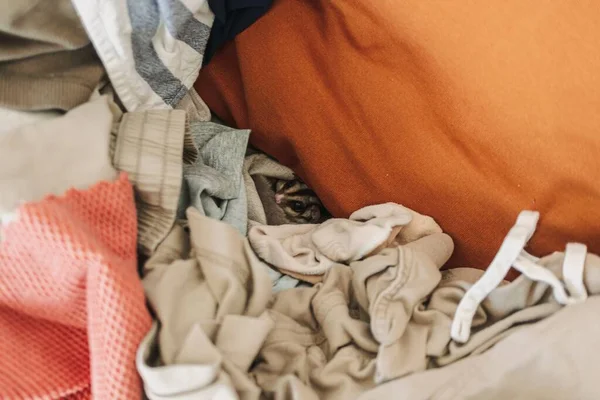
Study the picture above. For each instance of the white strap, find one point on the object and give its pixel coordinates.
(538, 273)
(511, 253)
(573, 266)
(510, 249)
(528, 256)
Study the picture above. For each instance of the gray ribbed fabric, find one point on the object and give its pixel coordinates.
(214, 183)
(46, 59)
(149, 147)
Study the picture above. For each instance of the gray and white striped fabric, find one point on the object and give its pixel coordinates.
(151, 49)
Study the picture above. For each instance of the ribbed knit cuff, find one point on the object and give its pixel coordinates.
(149, 147)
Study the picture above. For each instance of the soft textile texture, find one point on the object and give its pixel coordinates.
(215, 269)
(13, 119)
(33, 27)
(206, 289)
(308, 251)
(51, 156)
(548, 360)
(335, 337)
(46, 60)
(466, 111)
(384, 318)
(194, 107)
(149, 147)
(214, 184)
(506, 310)
(151, 49)
(53, 81)
(72, 308)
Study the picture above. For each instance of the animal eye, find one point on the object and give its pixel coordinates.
(297, 206)
(289, 184)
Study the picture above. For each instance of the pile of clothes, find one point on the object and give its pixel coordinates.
(142, 254)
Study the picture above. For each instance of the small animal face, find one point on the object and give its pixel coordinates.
(299, 203)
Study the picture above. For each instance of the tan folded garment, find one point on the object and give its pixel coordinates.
(388, 317)
(46, 59)
(551, 360)
(382, 318)
(210, 294)
(308, 251)
(33, 27)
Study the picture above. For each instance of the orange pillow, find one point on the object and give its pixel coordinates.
(468, 111)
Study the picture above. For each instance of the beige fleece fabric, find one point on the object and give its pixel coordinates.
(206, 288)
(13, 119)
(51, 156)
(307, 251)
(46, 59)
(382, 318)
(551, 360)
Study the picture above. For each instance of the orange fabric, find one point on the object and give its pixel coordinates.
(468, 111)
(72, 308)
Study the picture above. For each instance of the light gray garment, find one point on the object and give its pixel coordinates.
(214, 183)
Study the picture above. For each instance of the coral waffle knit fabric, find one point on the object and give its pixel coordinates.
(72, 308)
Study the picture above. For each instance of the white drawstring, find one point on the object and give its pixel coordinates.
(511, 254)
(538, 273)
(509, 251)
(573, 266)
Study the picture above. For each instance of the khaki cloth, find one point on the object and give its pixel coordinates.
(548, 360)
(383, 318)
(307, 251)
(210, 293)
(46, 59)
(33, 27)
